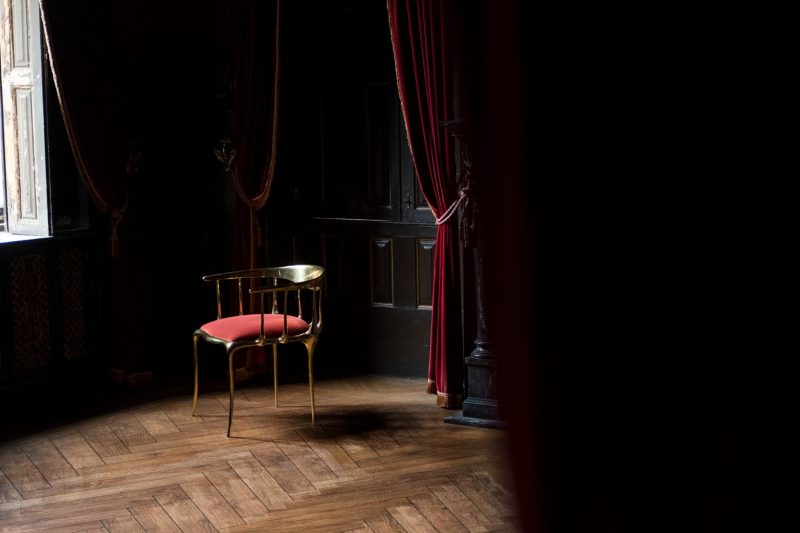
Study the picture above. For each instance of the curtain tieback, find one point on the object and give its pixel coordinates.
(462, 196)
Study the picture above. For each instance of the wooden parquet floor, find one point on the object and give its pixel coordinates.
(380, 459)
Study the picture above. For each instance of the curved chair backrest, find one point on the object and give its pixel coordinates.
(298, 277)
(293, 273)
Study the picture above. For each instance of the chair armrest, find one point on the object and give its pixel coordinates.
(239, 274)
(308, 285)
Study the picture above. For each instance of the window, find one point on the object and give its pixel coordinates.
(24, 202)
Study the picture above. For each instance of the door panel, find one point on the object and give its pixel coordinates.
(424, 269)
(356, 208)
(381, 261)
(376, 230)
(378, 294)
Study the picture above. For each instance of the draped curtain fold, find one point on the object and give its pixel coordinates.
(255, 120)
(421, 32)
(256, 57)
(83, 46)
(86, 54)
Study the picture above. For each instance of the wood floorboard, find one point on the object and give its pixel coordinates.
(153, 517)
(8, 493)
(379, 459)
(48, 459)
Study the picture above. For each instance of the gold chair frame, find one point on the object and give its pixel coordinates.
(280, 285)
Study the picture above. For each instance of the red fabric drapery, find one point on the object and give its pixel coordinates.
(256, 56)
(82, 45)
(85, 47)
(255, 121)
(424, 60)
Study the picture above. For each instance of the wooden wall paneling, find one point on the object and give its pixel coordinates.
(381, 271)
(50, 316)
(31, 313)
(343, 151)
(71, 275)
(424, 271)
(378, 148)
(346, 268)
(404, 272)
(373, 314)
(55, 309)
(415, 207)
(419, 198)
(399, 338)
(383, 152)
(369, 197)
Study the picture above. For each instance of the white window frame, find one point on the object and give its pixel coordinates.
(23, 157)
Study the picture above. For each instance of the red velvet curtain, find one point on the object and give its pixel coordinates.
(255, 121)
(83, 47)
(256, 55)
(421, 33)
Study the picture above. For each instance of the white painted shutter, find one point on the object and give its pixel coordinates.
(23, 118)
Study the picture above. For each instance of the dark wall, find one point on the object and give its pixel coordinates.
(179, 71)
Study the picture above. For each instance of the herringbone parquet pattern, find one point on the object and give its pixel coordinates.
(380, 459)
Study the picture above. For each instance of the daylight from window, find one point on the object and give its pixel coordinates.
(2, 174)
(24, 206)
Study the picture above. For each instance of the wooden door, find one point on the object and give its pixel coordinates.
(370, 223)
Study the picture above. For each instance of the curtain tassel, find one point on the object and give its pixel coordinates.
(431, 388)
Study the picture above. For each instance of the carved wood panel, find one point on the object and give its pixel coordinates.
(375, 276)
(370, 211)
(50, 311)
(31, 312)
(381, 271)
(73, 302)
(382, 150)
(425, 272)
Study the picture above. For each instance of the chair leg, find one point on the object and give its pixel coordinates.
(275, 371)
(310, 343)
(231, 381)
(196, 379)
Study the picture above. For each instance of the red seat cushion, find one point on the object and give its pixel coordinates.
(248, 327)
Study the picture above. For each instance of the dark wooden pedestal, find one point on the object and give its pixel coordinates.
(480, 408)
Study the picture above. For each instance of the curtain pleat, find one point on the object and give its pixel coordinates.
(82, 45)
(424, 62)
(255, 120)
(85, 47)
(256, 57)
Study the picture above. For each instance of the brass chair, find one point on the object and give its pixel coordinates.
(281, 319)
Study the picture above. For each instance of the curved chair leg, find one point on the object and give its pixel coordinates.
(310, 343)
(275, 371)
(231, 381)
(194, 400)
